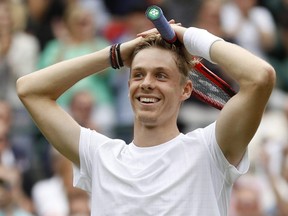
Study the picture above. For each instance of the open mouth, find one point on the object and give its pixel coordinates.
(148, 100)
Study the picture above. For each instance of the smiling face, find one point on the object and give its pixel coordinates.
(156, 87)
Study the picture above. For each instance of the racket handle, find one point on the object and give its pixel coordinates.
(156, 16)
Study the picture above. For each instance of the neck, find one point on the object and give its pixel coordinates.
(147, 136)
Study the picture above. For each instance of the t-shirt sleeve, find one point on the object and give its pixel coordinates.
(89, 143)
(230, 172)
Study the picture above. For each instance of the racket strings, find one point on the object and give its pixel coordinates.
(208, 91)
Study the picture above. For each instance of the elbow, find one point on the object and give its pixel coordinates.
(261, 81)
(21, 88)
(268, 78)
(264, 80)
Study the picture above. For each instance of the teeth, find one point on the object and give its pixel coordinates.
(148, 100)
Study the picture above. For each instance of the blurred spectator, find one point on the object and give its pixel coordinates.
(274, 160)
(5, 113)
(208, 17)
(18, 50)
(79, 203)
(183, 11)
(81, 107)
(121, 11)
(44, 17)
(100, 13)
(7, 156)
(247, 197)
(10, 155)
(279, 58)
(18, 56)
(50, 196)
(272, 131)
(122, 8)
(252, 26)
(277, 7)
(13, 201)
(81, 40)
(277, 180)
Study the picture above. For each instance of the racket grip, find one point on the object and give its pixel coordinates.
(156, 16)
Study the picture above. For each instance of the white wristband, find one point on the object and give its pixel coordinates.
(199, 41)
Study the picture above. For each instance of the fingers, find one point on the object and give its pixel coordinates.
(127, 48)
(155, 31)
(172, 21)
(148, 32)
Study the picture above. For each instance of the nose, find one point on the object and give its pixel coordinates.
(147, 83)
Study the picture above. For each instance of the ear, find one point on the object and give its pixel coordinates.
(129, 78)
(128, 88)
(187, 90)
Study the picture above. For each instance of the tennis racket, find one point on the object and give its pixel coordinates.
(207, 86)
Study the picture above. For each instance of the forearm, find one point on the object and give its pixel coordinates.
(241, 65)
(54, 80)
(256, 80)
(245, 68)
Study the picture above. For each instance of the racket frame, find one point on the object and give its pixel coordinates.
(213, 78)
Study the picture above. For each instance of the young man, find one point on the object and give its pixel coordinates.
(162, 172)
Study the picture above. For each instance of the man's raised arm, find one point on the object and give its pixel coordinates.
(39, 91)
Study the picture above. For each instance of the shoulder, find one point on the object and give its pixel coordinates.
(93, 140)
(202, 133)
(200, 139)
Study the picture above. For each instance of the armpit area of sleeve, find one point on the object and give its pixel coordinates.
(230, 171)
(241, 169)
(81, 181)
(80, 178)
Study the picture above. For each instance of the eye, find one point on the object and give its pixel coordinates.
(161, 76)
(137, 75)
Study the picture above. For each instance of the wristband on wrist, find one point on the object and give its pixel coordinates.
(119, 59)
(112, 57)
(199, 41)
(115, 56)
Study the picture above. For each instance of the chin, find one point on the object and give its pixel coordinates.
(147, 121)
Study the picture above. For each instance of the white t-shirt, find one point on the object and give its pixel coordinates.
(187, 175)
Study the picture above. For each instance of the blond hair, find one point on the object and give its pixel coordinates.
(183, 59)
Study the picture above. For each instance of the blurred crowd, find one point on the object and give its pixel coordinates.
(36, 180)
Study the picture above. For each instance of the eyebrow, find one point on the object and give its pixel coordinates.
(156, 68)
